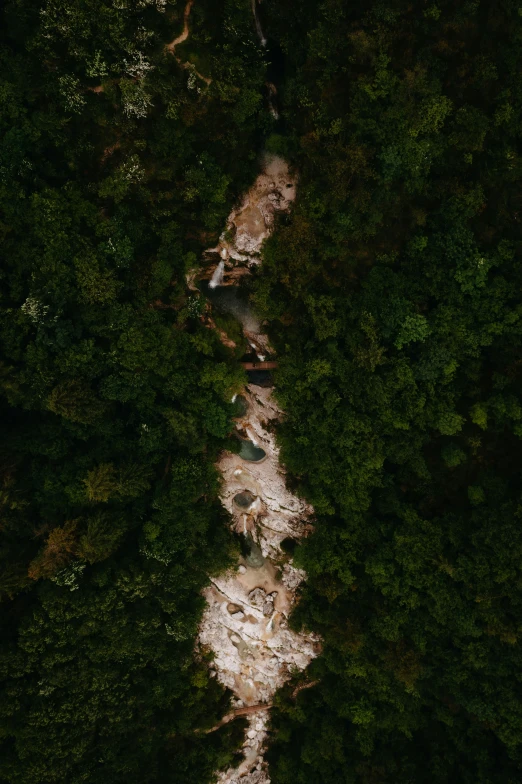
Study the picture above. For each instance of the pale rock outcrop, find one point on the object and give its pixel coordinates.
(250, 224)
(245, 623)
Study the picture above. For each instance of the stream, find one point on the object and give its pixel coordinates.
(245, 623)
(259, 31)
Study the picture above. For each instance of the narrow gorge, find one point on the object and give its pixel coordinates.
(245, 624)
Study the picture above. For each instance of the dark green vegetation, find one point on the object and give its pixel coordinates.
(114, 396)
(395, 298)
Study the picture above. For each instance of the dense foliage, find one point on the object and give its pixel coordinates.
(395, 299)
(393, 294)
(117, 167)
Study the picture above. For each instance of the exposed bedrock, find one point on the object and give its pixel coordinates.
(245, 623)
(251, 223)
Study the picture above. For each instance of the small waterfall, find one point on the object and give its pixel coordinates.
(272, 100)
(217, 277)
(250, 434)
(258, 24)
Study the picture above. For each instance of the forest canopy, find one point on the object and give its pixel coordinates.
(117, 168)
(393, 298)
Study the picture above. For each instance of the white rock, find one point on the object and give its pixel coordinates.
(254, 649)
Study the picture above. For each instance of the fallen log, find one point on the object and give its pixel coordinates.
(259, 365)
(239, 712)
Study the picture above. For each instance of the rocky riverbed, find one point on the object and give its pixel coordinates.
(246, 620)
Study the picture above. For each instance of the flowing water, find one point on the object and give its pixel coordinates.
(262, 39)
(217, 277)
(245, 624)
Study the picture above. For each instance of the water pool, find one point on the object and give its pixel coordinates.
(250, 452)
(244, 500)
